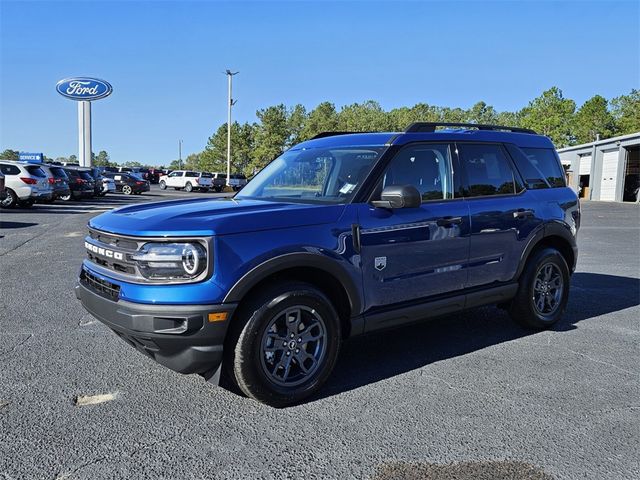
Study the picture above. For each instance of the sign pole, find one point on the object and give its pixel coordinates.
(84, 133)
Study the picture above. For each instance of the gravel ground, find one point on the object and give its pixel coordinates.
(465, 396)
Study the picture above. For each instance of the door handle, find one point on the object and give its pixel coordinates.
(522, 213)
(448, 221)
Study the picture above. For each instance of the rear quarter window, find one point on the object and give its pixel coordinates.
(58, 172)
(546, 161)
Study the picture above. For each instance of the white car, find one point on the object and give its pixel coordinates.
(187, 180)
(237, 181)
(25, 183)
(108, 186)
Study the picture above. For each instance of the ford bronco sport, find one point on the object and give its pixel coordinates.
(341, 235)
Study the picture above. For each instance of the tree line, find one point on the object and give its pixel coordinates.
(255, 144)
(279, 127)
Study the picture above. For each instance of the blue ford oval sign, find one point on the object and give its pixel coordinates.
(83, 88)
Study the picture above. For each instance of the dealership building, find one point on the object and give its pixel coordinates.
(605, 170)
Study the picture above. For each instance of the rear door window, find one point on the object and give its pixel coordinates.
(545, 160)
(191, 174)
(9, 169)
(488, 170)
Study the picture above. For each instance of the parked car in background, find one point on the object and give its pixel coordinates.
(108, 185)
(59, 181)
(205, 181)
(80, 183)
(25, 183)
(129, 184)
(237, 181)
(185, 179)
(219, 181)
(3, 193)
(154, 175)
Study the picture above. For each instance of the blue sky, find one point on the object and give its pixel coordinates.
(165, 62)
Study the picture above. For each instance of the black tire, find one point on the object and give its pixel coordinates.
(176, 188)
(65, 198)
(534, 290)
(127, 190)
(11, 200)
(163, 185)
(247, 361)
(188, 187)
(204, 189)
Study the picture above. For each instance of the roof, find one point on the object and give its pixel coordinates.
(379, 139)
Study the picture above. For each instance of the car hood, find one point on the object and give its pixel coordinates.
(204, 217)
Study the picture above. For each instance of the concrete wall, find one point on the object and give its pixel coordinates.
(571, 156)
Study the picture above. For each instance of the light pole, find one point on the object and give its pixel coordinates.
(180, 153)
(231, 102)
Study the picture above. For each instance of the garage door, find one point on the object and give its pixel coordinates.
(585, 165)
(609, 176)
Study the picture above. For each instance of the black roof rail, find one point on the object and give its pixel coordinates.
(331, 134)
(431, 127)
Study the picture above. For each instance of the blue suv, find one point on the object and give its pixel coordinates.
(344, 234)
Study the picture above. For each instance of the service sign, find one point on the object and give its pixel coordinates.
(30, 157)
(83, 88)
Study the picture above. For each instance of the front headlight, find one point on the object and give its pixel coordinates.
(171, 261)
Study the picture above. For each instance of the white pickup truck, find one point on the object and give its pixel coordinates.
(187, 180)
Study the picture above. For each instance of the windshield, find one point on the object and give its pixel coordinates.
(313, 176)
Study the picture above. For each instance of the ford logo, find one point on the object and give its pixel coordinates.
(83, 88)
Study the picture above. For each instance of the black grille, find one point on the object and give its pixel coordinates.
(101, 287)
(113, 240)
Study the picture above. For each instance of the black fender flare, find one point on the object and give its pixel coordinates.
(296, 260)
(551, 229)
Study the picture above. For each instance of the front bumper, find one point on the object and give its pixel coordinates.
(179, 337)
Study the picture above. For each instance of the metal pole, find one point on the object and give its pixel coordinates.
(230, 103)
(180, 153)
(84, 133)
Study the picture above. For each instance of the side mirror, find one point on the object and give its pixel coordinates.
(399, 196)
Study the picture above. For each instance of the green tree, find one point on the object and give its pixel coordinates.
(323, 118)
(482, 113)
(9, 154)
(102, 159)
(593, 118)
(271, 136)
(626, 112)
(73, 159)
(363, 117)
(296, 120)
(551, 114)
(214, 156)
(192, 162)
(132, 163)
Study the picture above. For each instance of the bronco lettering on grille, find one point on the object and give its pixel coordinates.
(103, 251)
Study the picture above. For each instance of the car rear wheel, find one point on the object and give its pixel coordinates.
(10, 200)
(65, 198)
(188, 187)
(543, 292)
(163, 185)
(127, 190)
(288, 339)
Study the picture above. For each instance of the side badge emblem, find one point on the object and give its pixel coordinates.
(380, 263)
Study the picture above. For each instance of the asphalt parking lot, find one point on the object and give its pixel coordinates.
(465, 396)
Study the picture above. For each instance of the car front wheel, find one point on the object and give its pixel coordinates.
(543, 292)
(287, 344)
